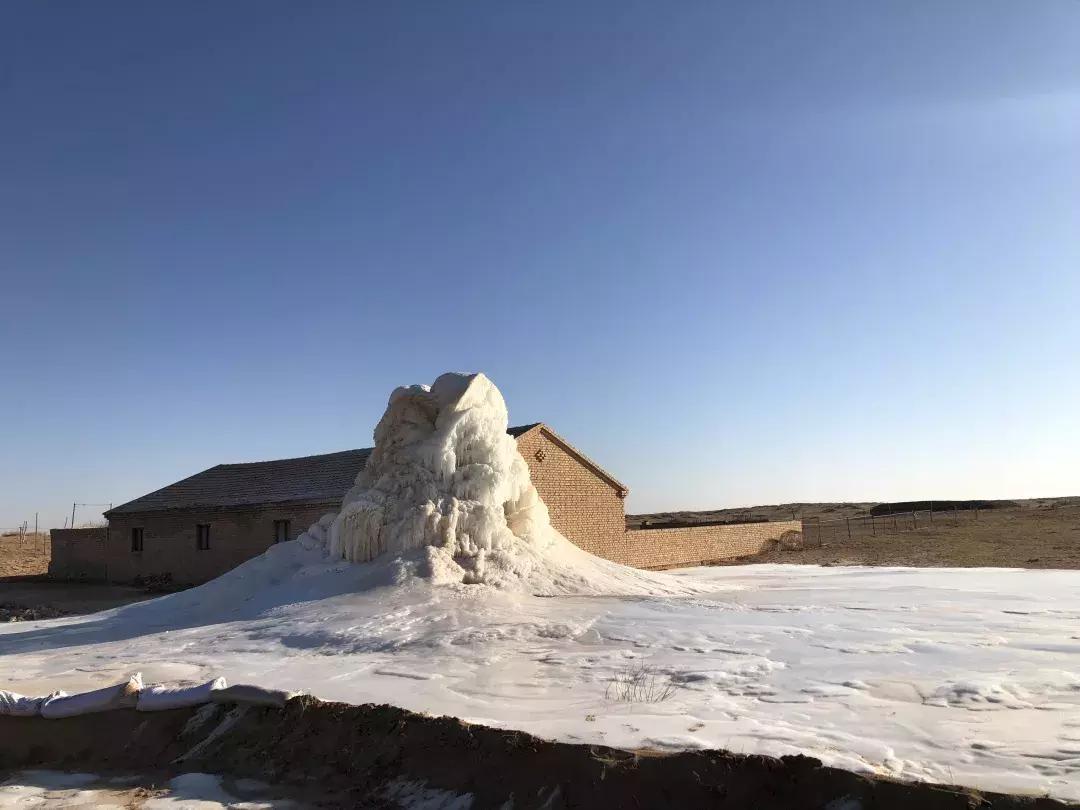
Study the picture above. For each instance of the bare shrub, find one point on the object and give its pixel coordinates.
(157, 583)
(640, 683)
(792, 541)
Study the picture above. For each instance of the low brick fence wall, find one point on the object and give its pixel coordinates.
(78, 553)
(696, 545)
(81, 553)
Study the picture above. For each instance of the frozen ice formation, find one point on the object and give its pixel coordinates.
(446, 491)
(443, 474)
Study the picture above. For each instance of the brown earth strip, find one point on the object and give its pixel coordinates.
(350, 755)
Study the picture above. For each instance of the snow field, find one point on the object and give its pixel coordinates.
(468, 603)
(961, 675)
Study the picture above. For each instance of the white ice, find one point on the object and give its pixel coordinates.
(446, 495)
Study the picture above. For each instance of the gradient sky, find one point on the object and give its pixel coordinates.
(739, 253)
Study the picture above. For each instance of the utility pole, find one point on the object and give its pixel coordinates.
(83, 504)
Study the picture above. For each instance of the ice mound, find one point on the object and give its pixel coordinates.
(446, 496)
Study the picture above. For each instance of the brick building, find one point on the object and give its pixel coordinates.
(202, 526)
(198, 528)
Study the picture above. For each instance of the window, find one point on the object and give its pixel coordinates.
(281, 531)
(202, 536)
(136, 539)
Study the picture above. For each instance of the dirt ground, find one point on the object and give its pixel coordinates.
(778, 511)
(24, 557)
(381, 756)
(1037, 533)
(1033, 536)
(26, 592)
(33, 598)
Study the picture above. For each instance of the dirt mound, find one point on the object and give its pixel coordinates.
(14, 612)
(363, 755)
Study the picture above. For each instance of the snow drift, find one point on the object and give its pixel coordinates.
(446, 497)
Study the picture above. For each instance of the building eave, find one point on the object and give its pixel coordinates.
(332, 502)
(585, 461)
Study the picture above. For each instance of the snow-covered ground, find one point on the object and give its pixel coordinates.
(442, 587)
(966, 675)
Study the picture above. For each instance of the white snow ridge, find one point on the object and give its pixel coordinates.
(447, 496)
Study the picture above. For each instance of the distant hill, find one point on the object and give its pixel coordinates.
(939, 506)
(823, 511)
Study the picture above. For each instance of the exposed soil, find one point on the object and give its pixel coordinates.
(24, 557)
(13, 612)
(822, 511)
(360, 756)
(36, 598)
(1033, 537)
(749, 514)
(1037, 533)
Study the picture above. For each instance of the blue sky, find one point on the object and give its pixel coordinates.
(739, 253)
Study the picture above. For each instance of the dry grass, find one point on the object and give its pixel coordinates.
(1034, 533)
(28, 556)
(640, 683)
(780, 511)
(1042, 533)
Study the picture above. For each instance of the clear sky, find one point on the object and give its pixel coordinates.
(739, 253)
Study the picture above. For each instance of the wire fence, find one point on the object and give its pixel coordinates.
(19, 540)
(19, 531)
(817, 532)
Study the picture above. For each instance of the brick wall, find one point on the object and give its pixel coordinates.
(694, 545)
(584, 507)
(78, 553)
(170, 544)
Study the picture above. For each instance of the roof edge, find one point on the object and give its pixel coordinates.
(116, 509)
(217, 507)
(131, 507)
(599, 471)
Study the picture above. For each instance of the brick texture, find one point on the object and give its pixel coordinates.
(584, 507)
(78, 553)
(694, 545)
(170, 545)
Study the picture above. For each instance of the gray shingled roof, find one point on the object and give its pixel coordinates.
(307, 480)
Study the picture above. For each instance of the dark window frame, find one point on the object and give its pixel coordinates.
(279, 535)
(137, 536)
(202, 536)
